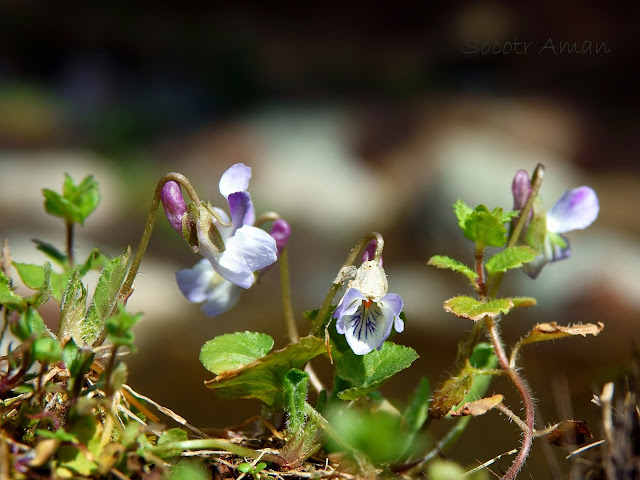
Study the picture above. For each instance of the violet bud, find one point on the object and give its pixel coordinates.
(174, 204)
(370, 252)
(521, 188)
(280, 231)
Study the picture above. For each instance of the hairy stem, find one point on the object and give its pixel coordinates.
(522, 388)
(148, 228)
(321, 319)
(536, 184)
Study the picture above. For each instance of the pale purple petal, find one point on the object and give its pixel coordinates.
(241, 208)
(223, 297)
(248, 250)
(577, 209)
(280, 231)
(347, 306)
(367, 328)
(195, 282)
(521, 188)
(174, 204)
(235, 179)
(393, 304)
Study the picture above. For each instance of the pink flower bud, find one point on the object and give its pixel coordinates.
(174, 204)
(280, 231)
(521, 188)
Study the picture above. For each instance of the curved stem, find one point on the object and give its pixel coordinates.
(320, 320)
(522, 388)
(148, 228)
(536, 184)
(285, 285)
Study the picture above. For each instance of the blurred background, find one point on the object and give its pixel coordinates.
(353, 118)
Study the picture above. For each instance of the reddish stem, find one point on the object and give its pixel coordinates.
(520, 385)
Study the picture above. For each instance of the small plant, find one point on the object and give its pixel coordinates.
(67, 410)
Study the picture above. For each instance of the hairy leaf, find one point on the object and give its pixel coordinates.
(552, 331)
(512, 257)
(477, 407)
(105, 296)
(468, 307)
(442, 261)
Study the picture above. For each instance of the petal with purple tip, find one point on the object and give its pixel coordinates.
(241, 209)
(576, 209)
(235, 179)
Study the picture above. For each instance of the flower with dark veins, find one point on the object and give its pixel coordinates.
(233, 248)
(367, 313)
(575, 210)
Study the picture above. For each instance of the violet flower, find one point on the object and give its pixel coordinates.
(233, 248)
(367, 312)
(575, 210)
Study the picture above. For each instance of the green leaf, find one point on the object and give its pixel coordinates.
(467, 385)
(105, 296)
(512, 257)
(485, 228)
(504, 217)
(12, 301)
(72, 309)
(482, 358)
(76, 203)
(46, 350)
(520, 302)
(190, 470)
(462, 211)
(164, 448)
(468, 307)
(441, 261)
(119, 327)
(29, 324)
(263, 378)
(295, 396)
(34, 277)
(537, 230)
(234, 350)
(416, 410)
(52, 252)
(369, 372)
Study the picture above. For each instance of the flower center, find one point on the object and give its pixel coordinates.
(367, 303)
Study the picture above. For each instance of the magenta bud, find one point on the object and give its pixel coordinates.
(280, 231)
(521, 188)
(174, 205)
(370, 252)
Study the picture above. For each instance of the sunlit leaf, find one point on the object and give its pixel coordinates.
(522, 302)
(73, 309)
(485, 228)
(441, 261)
(263, 378)
(234, 350)
(76, 203)
(468, 307)
(34, 277)
(462, 211)
(105, 296)
(512, 257)
(477, 407)
(369, 372)
(8, 298)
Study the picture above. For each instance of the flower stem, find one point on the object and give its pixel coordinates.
(70, 237)
(287, 307)
(320, 321)
(536, 184)
(522, 388)
(148, 228)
